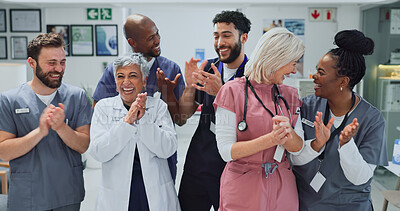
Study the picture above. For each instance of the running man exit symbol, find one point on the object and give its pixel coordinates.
(105, 13)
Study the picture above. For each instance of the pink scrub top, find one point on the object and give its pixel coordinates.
(244, 185)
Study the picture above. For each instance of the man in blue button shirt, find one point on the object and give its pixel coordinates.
(142, 35)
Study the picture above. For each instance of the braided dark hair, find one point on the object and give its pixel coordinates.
(349, 56)
(237, 18)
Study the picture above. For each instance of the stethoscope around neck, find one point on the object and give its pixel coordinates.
(242, 125)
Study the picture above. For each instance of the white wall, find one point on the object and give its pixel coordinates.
(185, 27)
(318, 35)
(85, 70)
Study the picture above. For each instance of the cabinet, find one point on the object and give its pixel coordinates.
(389, 102)
(304, 86)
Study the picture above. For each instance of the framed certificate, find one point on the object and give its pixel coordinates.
(19, 47)
(63, 31)
(25, 20)
(3, 47)
(81, 40)
(3, 25)
(106, 40)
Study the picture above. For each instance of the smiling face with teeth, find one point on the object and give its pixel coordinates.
(50, 66)
(227, 42)
(327, 81)
(130, 83)
(145, 39)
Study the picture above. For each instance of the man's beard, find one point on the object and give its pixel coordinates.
(235, 52)
(45, 80)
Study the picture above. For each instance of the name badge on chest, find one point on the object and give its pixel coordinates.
(307, 122)
(22, 110)
(317, 182)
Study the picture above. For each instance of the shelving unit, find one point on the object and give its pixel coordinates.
(389, 102)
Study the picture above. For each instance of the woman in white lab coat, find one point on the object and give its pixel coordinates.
(133, 135)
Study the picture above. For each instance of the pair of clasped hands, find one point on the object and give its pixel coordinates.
(282, 130)
(52, 117)
(137, 109)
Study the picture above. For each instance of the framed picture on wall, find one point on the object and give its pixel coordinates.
(63, 31)
(106, 40)
(25, 20)
(81, 40)
(19, 47)
(3, 47)
(3, 26)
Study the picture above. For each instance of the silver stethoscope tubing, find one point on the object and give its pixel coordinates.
(242, 125)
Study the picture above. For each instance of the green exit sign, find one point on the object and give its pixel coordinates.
(96, 13)
(105, 14)
(92, 13)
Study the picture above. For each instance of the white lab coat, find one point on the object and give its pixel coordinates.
(113, 143)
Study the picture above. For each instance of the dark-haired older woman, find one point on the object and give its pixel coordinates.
(344, 134)
(133, 135)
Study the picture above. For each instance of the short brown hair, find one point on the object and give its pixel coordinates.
(44, 40)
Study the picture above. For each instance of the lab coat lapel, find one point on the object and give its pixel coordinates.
(119, 110)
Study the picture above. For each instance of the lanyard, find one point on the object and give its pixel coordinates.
(239, 71)
(242, 125)
(340, 128)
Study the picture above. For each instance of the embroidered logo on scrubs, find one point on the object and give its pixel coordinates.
(307, 122)
(22, 110)
(116, 118)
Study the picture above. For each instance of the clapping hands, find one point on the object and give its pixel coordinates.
(137, 109)
(201, 80)
(348, 132)
(52, 117)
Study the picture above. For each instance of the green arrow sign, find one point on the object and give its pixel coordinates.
(92, 13)
(105, 13)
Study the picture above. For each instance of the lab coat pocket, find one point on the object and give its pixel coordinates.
(20, 195)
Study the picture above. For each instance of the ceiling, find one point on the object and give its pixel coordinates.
(124, 3)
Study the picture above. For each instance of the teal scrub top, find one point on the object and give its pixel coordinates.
(51, 174)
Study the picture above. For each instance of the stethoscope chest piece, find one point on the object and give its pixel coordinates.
(242, 126)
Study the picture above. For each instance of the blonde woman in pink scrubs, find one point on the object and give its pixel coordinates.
(258, 175)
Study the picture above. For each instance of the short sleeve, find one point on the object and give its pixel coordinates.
(106, 86)
(6, 118)
(371, 141)
(225, 97)
(85, 111)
